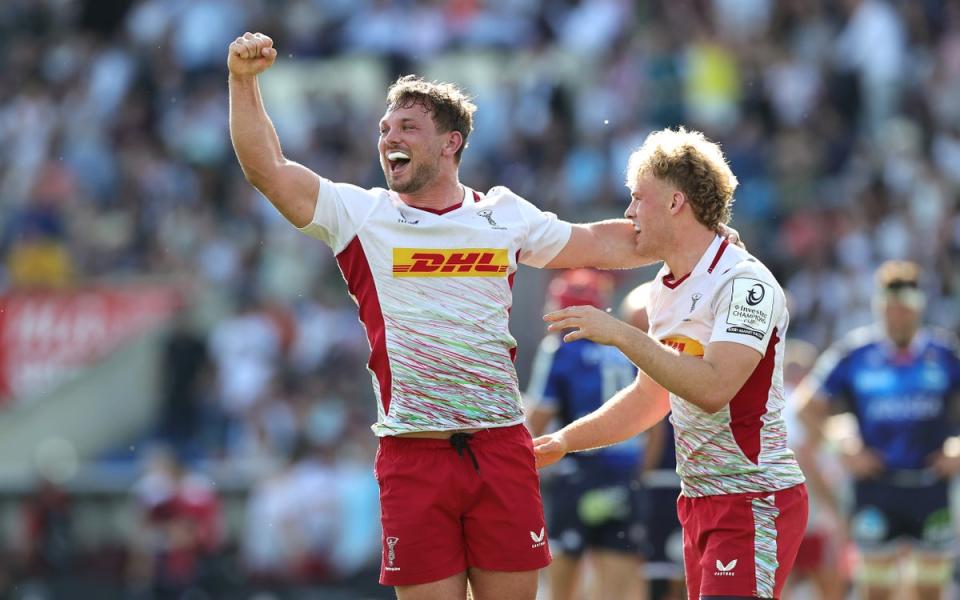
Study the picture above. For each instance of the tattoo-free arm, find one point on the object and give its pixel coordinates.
(290, 187)
(603, 245)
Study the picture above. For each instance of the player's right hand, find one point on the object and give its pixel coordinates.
(250, 54)
(548, 449)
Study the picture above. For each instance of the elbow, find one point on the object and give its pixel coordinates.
(259, 178)
(713, 402)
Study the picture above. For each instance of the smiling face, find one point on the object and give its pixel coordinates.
(650, 212)
(411, 148)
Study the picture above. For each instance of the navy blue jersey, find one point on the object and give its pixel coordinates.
(902, 399)
(574, 379)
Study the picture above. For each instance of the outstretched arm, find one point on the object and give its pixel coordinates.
(632, 410)
(603, 245)
(291, 187)
(611, 245)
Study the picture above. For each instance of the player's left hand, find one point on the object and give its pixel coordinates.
(548, 449)
(587, 322)
(732, 235)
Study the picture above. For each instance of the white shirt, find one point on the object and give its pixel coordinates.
(434, 292)
(728, 297)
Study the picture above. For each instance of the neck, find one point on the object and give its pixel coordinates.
(685, 255)
(439, 194)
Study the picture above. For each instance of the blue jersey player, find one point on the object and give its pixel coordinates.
(900, 382)
(594, 498)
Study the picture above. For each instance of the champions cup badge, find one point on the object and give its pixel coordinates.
(391, 555)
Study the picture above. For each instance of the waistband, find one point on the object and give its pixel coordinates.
(909, 478)
(477, 437)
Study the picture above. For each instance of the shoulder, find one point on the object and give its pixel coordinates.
(737, 262)
(502, 196)
(856, 341)
(352, 190)
(943, 340)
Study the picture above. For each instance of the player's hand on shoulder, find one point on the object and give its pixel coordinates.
(732, 235)
(250, 54)
(587, 322)
(548, 449)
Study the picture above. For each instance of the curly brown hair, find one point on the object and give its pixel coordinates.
(688, 160)
(451, 108)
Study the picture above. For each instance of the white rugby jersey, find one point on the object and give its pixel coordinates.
(728, 297)
(434, 292)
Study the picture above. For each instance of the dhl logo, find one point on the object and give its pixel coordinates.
(457, 262)
(684, 345)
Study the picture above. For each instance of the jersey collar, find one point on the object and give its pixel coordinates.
(917, 345)
(708, 262)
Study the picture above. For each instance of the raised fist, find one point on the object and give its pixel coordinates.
(250, 55)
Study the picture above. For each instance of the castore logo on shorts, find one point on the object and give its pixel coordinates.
(538, 540)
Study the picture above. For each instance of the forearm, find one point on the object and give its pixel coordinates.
(689, 377)
(625, 415)
(602, 245)
(254, 138)
(618, 238)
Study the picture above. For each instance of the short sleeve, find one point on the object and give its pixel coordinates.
(340, 212)
(546, 235)
(546, 386)
(829, 376)
(747, 308)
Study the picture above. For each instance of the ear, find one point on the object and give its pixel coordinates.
(677, 202)
(453, 144)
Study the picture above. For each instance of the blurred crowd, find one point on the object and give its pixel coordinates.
(840, 118)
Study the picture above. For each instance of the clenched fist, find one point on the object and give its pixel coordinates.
(250, 55)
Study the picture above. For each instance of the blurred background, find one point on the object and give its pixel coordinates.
(185, 409)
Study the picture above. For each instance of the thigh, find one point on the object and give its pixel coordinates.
(744, 544)
(885, 514)
(502, 585)
(564, 577)
(619, 575)
(419, 509)
(929, 523)
(451, 588)
(504, 528)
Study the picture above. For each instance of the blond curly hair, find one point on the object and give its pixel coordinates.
(451, 108)
(695, 165)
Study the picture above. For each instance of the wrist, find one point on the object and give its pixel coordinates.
(562, 440)
(247, 78)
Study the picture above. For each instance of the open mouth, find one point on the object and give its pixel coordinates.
(397, 159)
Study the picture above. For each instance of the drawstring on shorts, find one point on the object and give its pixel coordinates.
(460, 442)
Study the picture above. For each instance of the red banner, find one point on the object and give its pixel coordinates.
(47, 336)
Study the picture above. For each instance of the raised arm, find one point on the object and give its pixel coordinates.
(291, 187)
(632, 410)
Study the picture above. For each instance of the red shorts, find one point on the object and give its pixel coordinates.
(813, 551)
(742, 544)
(440, 515)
